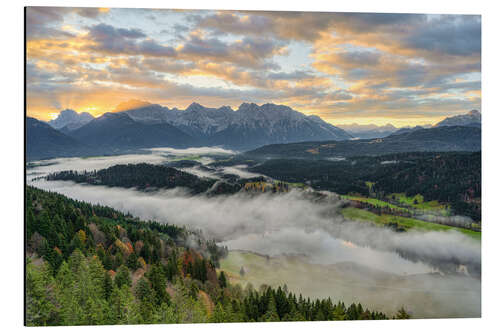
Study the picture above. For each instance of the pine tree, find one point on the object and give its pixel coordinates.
(132, 261)
(222, 280)
(108, 285)
(339, 312)
(158, 284)
(271, 312)
(122, 277)
(402, 314)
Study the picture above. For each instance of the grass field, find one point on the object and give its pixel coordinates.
(404, 222)
(297, 185)
(374, 202)
(417, 202)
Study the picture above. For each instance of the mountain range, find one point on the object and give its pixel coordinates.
(138, 124)
(368, 131)
(371, 131)
(472, 118)
(69, 120)
(152, 125)
(437, 139)
(43, 141)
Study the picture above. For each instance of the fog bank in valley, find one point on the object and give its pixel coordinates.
(292, 224)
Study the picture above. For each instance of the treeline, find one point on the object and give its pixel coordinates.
(146, 176)
(452, 178)
(90, 265)
(141, 176)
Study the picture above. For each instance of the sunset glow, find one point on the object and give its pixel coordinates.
(403, 69)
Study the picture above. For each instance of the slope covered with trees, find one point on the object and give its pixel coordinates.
(141, 176)
(452, 178)
(88, 265)
(437, 139)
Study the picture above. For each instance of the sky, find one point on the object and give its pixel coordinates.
(404, 69)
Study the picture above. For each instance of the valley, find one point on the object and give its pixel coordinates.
(368, 223)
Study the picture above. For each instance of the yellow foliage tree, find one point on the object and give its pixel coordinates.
(82, 236)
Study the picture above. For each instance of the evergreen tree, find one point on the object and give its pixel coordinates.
(122, 277)
(108, 285)
(402, 314)
(222, 280)
(271, 312)
(132, 261)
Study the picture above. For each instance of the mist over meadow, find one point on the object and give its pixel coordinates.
(289, 224)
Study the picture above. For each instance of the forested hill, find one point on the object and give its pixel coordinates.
(453, 178)
(88, 265)
(439, 139)
(141, 176)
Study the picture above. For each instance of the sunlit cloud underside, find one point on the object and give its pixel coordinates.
(406, 69)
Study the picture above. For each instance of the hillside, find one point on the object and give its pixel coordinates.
(247, 127)
(450, 178)
(43, 141)
(70, 120)
(92, 265)
(147, 177)
(117, 131)
(141, 176)
(448, 138)
(472, 118)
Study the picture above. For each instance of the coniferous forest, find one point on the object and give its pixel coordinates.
(89, 265)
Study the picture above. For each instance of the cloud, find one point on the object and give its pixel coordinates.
(240, 171)
(455, 35)
(42, 22)
(281, 25)
(194, 151)
(109, 39)
(38, 20)
(333, 64)
(247, 52)
(232, 217)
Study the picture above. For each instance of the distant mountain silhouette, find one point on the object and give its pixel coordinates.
(251, 126)
(472, 118)
(70, 120)
(447, 138)
(118, 131)
(43, 141)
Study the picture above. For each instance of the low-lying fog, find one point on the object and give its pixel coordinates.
(151, 156)
(280, 224)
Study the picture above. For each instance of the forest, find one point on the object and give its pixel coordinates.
(452, 178)
(141, 176)
(89, 264)
(145, 177)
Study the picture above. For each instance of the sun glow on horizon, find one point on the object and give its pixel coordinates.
(336, 120)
